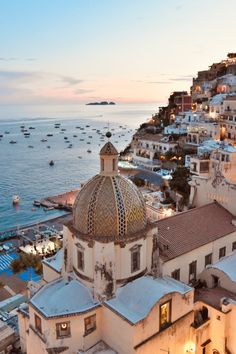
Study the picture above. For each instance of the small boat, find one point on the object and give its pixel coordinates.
(7, 132)
(87, 126)
(49, 147)
(44, 140)
(15, 199)
(30, 146)
(63, 130)
(89, 151)
(65, 137)
(48, 208)
(79, 157)
(51, 163)
(1, 135)
(31, 127)
(49, 134)
(26, 134)
(37, 203)
(12, 142)
(75, 136)
(22, 126)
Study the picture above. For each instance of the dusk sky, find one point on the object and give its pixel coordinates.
(72, 51)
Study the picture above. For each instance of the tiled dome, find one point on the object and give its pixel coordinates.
(109, 206)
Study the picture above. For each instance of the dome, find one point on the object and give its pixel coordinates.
(109, 206)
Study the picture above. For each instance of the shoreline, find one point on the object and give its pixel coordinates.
(29, 225)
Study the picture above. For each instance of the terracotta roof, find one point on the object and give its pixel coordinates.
(108, 149)
(192, 229)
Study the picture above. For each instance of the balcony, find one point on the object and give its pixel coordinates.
(200, 317)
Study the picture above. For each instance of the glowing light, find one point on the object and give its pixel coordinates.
(189, 347)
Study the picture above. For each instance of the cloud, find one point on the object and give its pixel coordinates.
(9, 59)
(158, 82)
(40, 87)
(183, 78)
(178, 7)
(71, 80)
(82, 91)
(10, 75)
(151, 82)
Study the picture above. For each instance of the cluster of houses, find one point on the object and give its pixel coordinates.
(135, 276)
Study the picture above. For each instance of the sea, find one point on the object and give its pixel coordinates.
(24, 166)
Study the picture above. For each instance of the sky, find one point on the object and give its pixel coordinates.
(139, 51)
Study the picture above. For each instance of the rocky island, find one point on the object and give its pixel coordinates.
(103, 103)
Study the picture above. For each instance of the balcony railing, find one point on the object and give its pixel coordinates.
(197, 324)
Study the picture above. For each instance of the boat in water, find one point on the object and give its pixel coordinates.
(37, 203)
(51, 163)
(48, 208)
(15, 199)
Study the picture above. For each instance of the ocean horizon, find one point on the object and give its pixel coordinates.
(25, 164)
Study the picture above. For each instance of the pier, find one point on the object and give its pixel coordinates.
(61, 201)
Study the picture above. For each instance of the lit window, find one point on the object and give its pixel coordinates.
(63, 329)
(38, 323)
(222, 252)
(89, 324)
(208, 259)
(80, 259)
(165, 314)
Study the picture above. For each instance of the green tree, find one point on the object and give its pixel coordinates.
(179, 182)
(26, 261)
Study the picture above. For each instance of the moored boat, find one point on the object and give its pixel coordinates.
(37, 203)
(15, 199)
